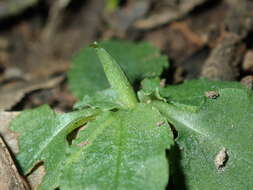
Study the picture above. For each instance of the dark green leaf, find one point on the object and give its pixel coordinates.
(117, 150)
(138, 61)
(120, 150)
(105, 100)
(189, 95)
(193, 93)
(150, 90)
(214, 143)
(117, 78)
(43, 138)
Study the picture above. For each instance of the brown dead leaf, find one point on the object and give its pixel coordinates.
(10, 137)
(222, 64)
(247, 64)
(10, 178)
(122, 19)
(167, 14)
(13, 93)
(35, 178)
(11, 140)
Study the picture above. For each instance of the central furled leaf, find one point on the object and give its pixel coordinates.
(120, 150)
(137, 60)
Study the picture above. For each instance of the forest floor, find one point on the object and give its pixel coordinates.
(202, 38)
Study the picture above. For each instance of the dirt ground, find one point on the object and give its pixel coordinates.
(202, 38)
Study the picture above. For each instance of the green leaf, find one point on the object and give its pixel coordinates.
(105, 100)
(220, 131)
(189, 95)
(86, 75)
(116, 78)
(193, 92)
(150, 84)
(120, 150)
(117, 150)
(43, 138)
(150, 90)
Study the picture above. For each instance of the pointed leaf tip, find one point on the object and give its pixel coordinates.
(117, 78)
(138, 60)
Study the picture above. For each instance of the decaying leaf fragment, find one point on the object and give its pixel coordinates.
(12, 94)
(9, 176)
(10, 137)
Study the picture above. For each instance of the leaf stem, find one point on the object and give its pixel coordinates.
(116, 78)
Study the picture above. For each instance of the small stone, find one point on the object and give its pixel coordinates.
(247, 81)
(160, 123)
(221, 159)
(212, 94)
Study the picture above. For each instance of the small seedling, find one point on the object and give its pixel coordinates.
(127, 141)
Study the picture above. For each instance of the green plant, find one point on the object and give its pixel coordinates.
(125, 141)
